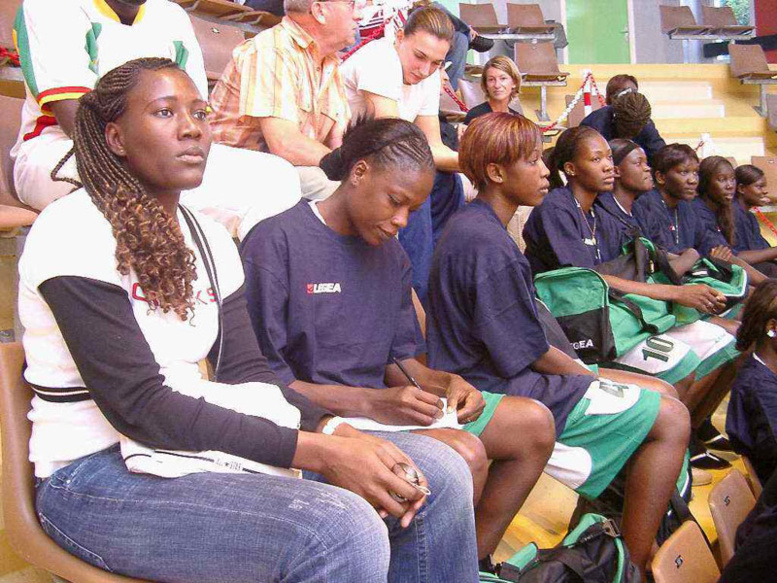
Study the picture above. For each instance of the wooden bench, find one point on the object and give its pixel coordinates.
(748, 64)
(538, 65)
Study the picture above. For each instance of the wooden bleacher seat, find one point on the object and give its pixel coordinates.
(217, 42)
(471, 93)
(25, 534)
(528, 19)
(730, 502)
(723, 23)
(678, 21)
(771, 110)
(578, 112)
(11, 78)
(685, 558)
(226, 10)
(538, 65)
(481, 17)
(752, 478)
(769, 167)
(748, 64)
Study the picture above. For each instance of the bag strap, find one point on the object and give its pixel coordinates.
(634, 309)
(683, 512)
(198, 235)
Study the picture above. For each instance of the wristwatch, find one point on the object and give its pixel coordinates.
(331, 425)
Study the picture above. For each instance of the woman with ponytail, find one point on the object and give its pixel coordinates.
(714, 205)
(568, 230)
(117, 314)
(751, 422)
(329, 291)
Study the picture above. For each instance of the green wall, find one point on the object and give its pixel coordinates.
(594, 31)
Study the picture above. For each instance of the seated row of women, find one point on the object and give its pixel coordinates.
(143, 465)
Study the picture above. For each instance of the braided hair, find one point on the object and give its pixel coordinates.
(565, 150)
(148, 240)
(385, 142)
(724, 213)
(759, 309)
(631, 114)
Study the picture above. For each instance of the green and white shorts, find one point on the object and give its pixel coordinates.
(602, 432)
(701, 346)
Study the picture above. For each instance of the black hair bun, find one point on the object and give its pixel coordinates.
(333, 164)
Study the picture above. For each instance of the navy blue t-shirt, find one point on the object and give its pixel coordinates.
(675, 230)
(559, 234)
(748, 230)
(751, 422)
(602, 120)
(709, 222)
(483, 320)
(328, 308)
(606, 201)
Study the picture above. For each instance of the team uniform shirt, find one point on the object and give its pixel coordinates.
(65, 47)
(328, 308)
(751, 423)
(607, 202)
(603, 121)
(709, 222)
(675, 229)
(376, 68)
(560, 234)
(556, 236)
(483, 322)
(278, 74)
(157, 348)
(749, 237)
(483, 109)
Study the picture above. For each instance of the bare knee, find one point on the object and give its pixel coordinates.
(673, 422)
(533, 423)
(683, 385)
(471, 449)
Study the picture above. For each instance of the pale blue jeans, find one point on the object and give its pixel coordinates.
(213, 527)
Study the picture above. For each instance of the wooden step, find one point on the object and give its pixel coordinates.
(688, 109)
(657, 91)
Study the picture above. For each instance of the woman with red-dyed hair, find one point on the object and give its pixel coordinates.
(484, 325)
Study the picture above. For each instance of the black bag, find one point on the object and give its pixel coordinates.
(610, 503)
(593, 552)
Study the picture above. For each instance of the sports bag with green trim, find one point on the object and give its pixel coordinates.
(593, 552)
(730, 280)
(600, 323)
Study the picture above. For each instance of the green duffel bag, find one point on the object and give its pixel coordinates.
(600, 323)
(730, 280)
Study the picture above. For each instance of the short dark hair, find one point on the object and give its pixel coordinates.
(615, 85)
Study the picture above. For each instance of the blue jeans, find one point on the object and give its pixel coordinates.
(238, 527)
(457, 55)
(425, 226)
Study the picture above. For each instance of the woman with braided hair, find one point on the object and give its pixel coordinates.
(117, 315)
(751, 422)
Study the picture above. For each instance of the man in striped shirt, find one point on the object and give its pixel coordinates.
(282, 93)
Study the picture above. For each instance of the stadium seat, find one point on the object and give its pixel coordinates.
(730, 502)
(723, 23)
(538, 65)
(769, 167)
(217, 42)
(25, 534)
(11, 79)
(752, 478)
(679, 23)
(771, 110)
(226, 10)
(748, 64)
(481, 17)
(527, 20)
(471, 92)
(685, 557)
(578, 112)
